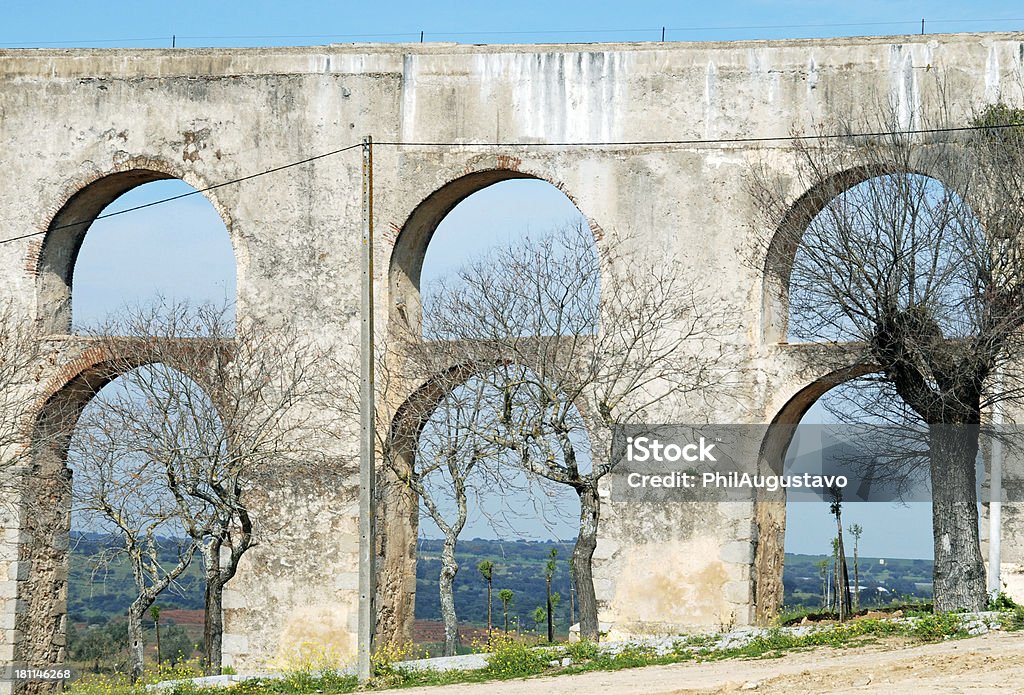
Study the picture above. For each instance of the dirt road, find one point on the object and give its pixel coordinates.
(992, 663)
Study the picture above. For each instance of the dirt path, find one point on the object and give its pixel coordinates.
(992, 663)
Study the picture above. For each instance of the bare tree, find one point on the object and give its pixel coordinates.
(118, 490)
(20, 350)
(220, 413)
(842, 572)
(505, 596)
(486, 570)
(908, 248)
(856, 530)
(575, 345)
(822, 565)
(446, 470)
(549, 574)
(443, 447)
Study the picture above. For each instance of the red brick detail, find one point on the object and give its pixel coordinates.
(32, 257)
(85, 361)
(507, 161)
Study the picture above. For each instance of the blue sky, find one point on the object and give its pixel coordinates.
(121, 23)
(181, 250)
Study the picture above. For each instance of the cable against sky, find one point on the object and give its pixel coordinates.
(627, 143)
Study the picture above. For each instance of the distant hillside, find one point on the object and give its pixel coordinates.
(97, 593)
(882, 580)
(518, 565)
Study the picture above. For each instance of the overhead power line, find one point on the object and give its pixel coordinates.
(197, 191)
(707, 141)
(622, 143)
(654, 32)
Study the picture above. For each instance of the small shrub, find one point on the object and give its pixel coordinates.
(938, 626)
(309, 657)
(581, 651)
(180, 670)
(634, 655)
(1001, 602)
(385, 657)
(1013, 621)
(103, 684)
(686, 645)
(511, 659)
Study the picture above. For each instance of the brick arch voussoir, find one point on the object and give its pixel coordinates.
(408, 241)
(63, 224)
(770, 507)
(101, 361)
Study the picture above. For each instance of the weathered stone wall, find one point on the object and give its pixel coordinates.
(81, 126)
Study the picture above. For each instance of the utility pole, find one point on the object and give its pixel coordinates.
(995, 502)
(367, 459)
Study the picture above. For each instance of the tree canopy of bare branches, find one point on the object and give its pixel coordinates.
(910, 246)
(573, 344)
(20, 350)
(206, 414)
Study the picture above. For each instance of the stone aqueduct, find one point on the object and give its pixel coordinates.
(80, 127)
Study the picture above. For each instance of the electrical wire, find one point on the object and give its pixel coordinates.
(623, 143)
(709, 141)
(197, 191)
(520, 32)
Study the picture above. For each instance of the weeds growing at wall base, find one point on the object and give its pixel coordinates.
(510, 657)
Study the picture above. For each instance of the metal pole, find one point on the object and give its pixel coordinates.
(367, 459)
(995, 503)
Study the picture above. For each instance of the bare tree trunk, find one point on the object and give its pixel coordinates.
(842, 577)
(856, 574)
(213, 620)
(159, 655)
(572, 605)
(136, 644)
(551, 624)
(213, 626)
(828, 587)
(959, 574)
(836, 580)
(488, 611)
(824, 588)
(446, 582)
(582, 561)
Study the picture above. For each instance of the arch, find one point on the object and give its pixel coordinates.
(784, 242)
(46, 498)
(398, 505)
(770, 507)
(53, 262)
(782, 248)
(97, 365)
(406, 262)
